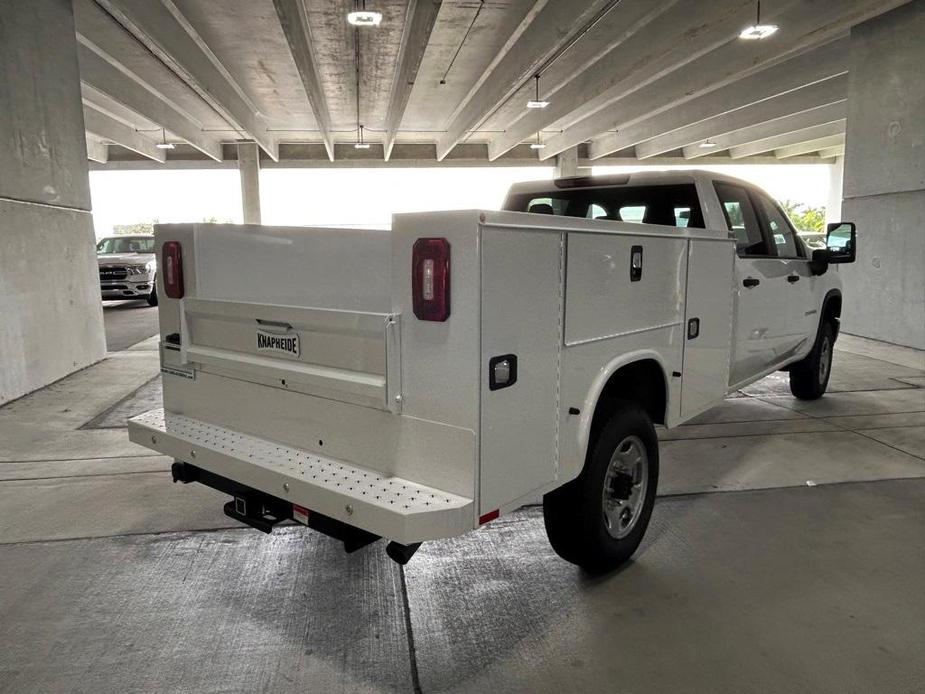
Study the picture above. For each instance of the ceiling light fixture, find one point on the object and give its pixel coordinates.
(361, 17)
(360, 144)
(758, 31)
(163, 144)
(706, 144)
(537, 144)
(537, 102)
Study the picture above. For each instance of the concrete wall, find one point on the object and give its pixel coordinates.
(884, 183)
(51, 320)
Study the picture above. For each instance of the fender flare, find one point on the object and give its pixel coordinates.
(830, 296)
(589, 406)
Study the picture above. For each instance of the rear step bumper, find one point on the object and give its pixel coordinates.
(389, 507)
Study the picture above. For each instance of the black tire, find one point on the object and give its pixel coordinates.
(574, 514)
(152, 297)
(809, 377)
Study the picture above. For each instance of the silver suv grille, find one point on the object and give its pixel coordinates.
(113, 272)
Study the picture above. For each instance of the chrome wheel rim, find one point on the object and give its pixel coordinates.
(625, 485)
(825, 359)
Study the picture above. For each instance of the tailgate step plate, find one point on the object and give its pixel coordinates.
(391, 507)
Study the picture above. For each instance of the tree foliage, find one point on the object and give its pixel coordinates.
(804, 217)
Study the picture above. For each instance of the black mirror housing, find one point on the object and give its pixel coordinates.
(840, 243)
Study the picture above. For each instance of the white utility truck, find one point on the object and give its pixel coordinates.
(416, 383)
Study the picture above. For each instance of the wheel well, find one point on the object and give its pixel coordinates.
(831, 309)
(642, 382)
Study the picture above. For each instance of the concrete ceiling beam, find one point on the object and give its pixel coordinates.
(102, 74)
(546, 29)
(105, 127)
(161, 28)
(804, 24)
(298, 33)
(97, 151)
(645, 115)
(829, 152)
(786, 139)
(823, 115)
(830, 91)
(640, 53)
(419, 23)
(810, 146)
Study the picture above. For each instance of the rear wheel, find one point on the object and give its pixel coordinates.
(809, 377)
(598, 519)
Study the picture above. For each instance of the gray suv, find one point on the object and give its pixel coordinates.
(127, 268)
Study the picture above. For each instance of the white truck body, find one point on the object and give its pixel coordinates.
(364, 413)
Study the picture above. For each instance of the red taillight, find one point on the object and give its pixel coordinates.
(172, 259)
(430, 279)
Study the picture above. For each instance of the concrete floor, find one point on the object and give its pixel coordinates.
(786, 554)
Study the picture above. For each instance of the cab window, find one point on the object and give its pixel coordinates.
(741, 219)
(674, 205)
(633, 213)
(783, 239)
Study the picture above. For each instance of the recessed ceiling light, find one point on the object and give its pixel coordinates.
(756, 32)
(364, 18)
(361, 145)
(706, 144)
(537, 145)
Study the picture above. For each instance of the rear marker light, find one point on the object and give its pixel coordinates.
(490, 516)
(173, 269)
(300, 514)
(430, 279)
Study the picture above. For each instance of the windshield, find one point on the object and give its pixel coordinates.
(125, 244)
(671, 205)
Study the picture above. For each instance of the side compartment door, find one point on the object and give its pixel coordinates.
(521, 309)
(708, 325)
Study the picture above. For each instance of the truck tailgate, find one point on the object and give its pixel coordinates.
(351, 356)
(392, 507)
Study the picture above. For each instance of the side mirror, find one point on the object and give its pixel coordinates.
(840, 243)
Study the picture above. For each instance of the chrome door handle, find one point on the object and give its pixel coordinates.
(750, 282)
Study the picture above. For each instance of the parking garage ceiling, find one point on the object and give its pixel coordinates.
(625, 80)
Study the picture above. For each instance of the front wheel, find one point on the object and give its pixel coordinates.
(152, 297)
(809, 377)
(598, 519)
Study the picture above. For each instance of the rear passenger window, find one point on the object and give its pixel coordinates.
(741, 219)
(546, 206)
(779, 230)
(596, 211)
(633, 213)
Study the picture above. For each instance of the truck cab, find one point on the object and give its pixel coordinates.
(415, 383)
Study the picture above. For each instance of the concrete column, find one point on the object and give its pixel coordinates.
(567, 163)
(51, 317)
(884, 188)
(249, 168)
(833, 204)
